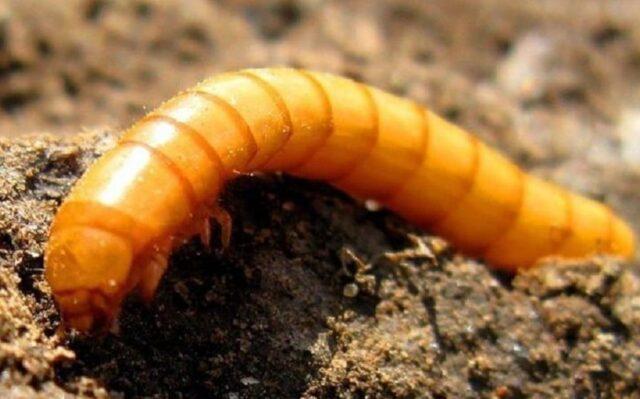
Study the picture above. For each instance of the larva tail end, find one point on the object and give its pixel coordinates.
(623, 241)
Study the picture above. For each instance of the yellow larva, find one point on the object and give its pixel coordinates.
(158, 187)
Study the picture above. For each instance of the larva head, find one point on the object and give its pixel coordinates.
(87, 269)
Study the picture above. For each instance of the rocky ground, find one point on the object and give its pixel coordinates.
(317, 296)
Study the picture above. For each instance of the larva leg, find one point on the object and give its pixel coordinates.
(152, 271)
(205, 233)
(223, 218)
(154, 266)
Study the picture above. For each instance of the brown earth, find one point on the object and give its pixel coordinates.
(317, 296)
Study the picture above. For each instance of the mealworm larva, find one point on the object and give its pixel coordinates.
(157, 188)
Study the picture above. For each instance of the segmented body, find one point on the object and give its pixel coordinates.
(116, 229)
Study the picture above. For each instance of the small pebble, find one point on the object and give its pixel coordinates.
(350, 290)
(249, 381)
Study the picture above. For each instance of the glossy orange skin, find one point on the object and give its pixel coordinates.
(155, 189)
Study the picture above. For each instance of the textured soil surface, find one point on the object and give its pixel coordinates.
(317, 296)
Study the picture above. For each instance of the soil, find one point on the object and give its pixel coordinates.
(318, 296)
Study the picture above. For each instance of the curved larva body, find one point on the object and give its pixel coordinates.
(115, 230)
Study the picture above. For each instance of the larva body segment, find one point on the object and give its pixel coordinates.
(116, 229)
(443, 178)
(353, 131)
(397, 152)
(310, 112)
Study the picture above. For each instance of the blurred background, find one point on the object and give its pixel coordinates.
(554, 83)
